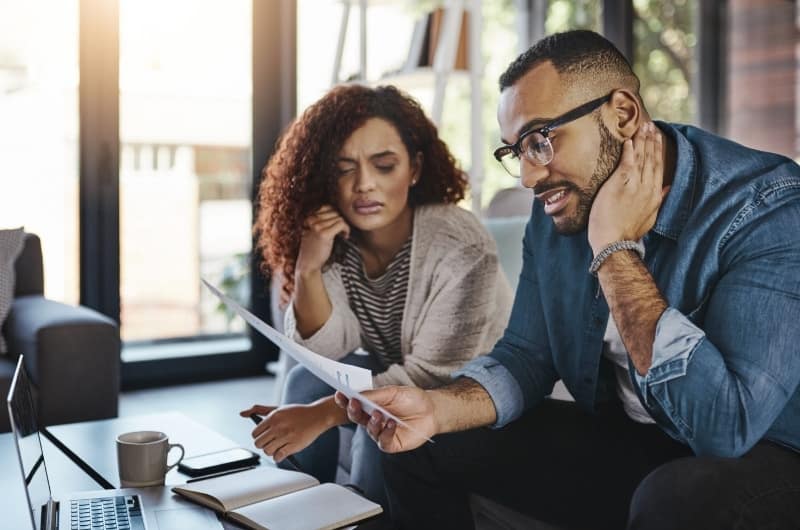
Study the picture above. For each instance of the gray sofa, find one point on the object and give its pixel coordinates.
(71, 353)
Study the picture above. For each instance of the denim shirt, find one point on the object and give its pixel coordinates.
(725, 254)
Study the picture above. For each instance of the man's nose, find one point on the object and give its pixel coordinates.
(532, 174)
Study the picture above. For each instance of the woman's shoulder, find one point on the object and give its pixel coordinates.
(449, 225)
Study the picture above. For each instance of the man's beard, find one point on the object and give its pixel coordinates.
(610, 151)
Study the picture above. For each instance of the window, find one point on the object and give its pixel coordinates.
(39, 133)
(664, 60)
(564, 15)
(185, 176)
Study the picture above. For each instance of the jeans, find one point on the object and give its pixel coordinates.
(321, 458)
(575, 470)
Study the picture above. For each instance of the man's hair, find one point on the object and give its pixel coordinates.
(578, 55)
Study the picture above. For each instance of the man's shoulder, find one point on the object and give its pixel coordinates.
(736, 187)
(723, 161)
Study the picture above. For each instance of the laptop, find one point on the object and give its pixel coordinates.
(155, 508)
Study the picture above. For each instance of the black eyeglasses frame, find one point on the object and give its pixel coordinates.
(569, 116)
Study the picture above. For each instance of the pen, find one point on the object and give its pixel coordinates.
(257, 419)
(221, 473)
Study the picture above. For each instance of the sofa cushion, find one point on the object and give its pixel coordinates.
(11, 242)
(508, 233)
(29, 268)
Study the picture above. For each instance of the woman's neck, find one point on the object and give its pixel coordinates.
(379, 247)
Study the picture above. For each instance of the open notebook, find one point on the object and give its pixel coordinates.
(269, 498)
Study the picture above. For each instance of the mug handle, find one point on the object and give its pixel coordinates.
(172, 446)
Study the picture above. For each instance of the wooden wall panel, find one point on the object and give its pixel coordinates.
(762, 66)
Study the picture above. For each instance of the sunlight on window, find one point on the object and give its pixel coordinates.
(39, 133)
(185, 132)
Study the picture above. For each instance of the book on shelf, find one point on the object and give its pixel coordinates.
(269, 498)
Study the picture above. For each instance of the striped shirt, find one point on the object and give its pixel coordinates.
(378, 303)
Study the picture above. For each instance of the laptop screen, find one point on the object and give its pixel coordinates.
(22, 412)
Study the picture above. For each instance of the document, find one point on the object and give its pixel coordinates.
(347, 379)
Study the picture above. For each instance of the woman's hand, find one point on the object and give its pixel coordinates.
(319, 231)
(287, 429)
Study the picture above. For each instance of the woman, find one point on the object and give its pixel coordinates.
(358, 215)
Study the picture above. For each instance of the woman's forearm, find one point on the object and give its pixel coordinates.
(312, 307)
(333, 415)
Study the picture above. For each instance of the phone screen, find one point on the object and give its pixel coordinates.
(219, 461)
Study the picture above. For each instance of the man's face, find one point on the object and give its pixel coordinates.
(585, 151)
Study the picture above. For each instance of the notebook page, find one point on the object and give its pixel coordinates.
(239, 489)
(323, 507)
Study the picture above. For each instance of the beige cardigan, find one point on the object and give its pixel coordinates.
(457, 305)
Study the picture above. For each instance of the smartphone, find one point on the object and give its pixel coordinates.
(217, 462)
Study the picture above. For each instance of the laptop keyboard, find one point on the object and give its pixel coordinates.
(122, 512)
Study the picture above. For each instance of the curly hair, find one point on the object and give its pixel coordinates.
(301, 175)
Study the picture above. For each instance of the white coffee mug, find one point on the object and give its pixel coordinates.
(142, 458)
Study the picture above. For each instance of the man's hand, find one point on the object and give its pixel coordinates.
(319, 231)
(288, 429)
(461, 405)
(412, 405)
(627, 204)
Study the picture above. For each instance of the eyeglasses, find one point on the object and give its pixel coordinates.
(535, 146)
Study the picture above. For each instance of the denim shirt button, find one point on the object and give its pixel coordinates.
(597, 321)
(588, 380)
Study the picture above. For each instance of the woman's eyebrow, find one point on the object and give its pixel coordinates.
(382, 154)
(376, 156)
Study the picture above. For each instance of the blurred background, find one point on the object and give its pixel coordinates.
(133, 132)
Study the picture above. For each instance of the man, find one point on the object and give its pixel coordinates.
(661, 283)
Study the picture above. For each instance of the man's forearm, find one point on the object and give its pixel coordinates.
(462, 405)
(635, 302)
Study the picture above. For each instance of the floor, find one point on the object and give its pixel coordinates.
(215, 404)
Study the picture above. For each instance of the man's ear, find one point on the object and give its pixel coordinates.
(626, 113)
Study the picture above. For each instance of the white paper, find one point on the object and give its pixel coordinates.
(347, 379)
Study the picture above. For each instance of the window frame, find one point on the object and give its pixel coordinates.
(273, 106)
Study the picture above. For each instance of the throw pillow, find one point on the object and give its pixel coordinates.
(11, 243)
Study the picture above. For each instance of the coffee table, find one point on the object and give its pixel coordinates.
(92, 444)
(77, 451)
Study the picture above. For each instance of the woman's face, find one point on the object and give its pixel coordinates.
(375, 176)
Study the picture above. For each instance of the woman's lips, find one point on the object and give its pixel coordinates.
(367, 207)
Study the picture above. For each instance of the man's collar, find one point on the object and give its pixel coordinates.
(677, 205)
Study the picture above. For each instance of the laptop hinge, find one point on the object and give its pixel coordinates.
(50, 515)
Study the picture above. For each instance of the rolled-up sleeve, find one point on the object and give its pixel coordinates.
(502, 387)
(519, 371)
(723, 387)
(675, 341)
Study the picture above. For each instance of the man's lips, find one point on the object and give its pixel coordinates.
(554, 199)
